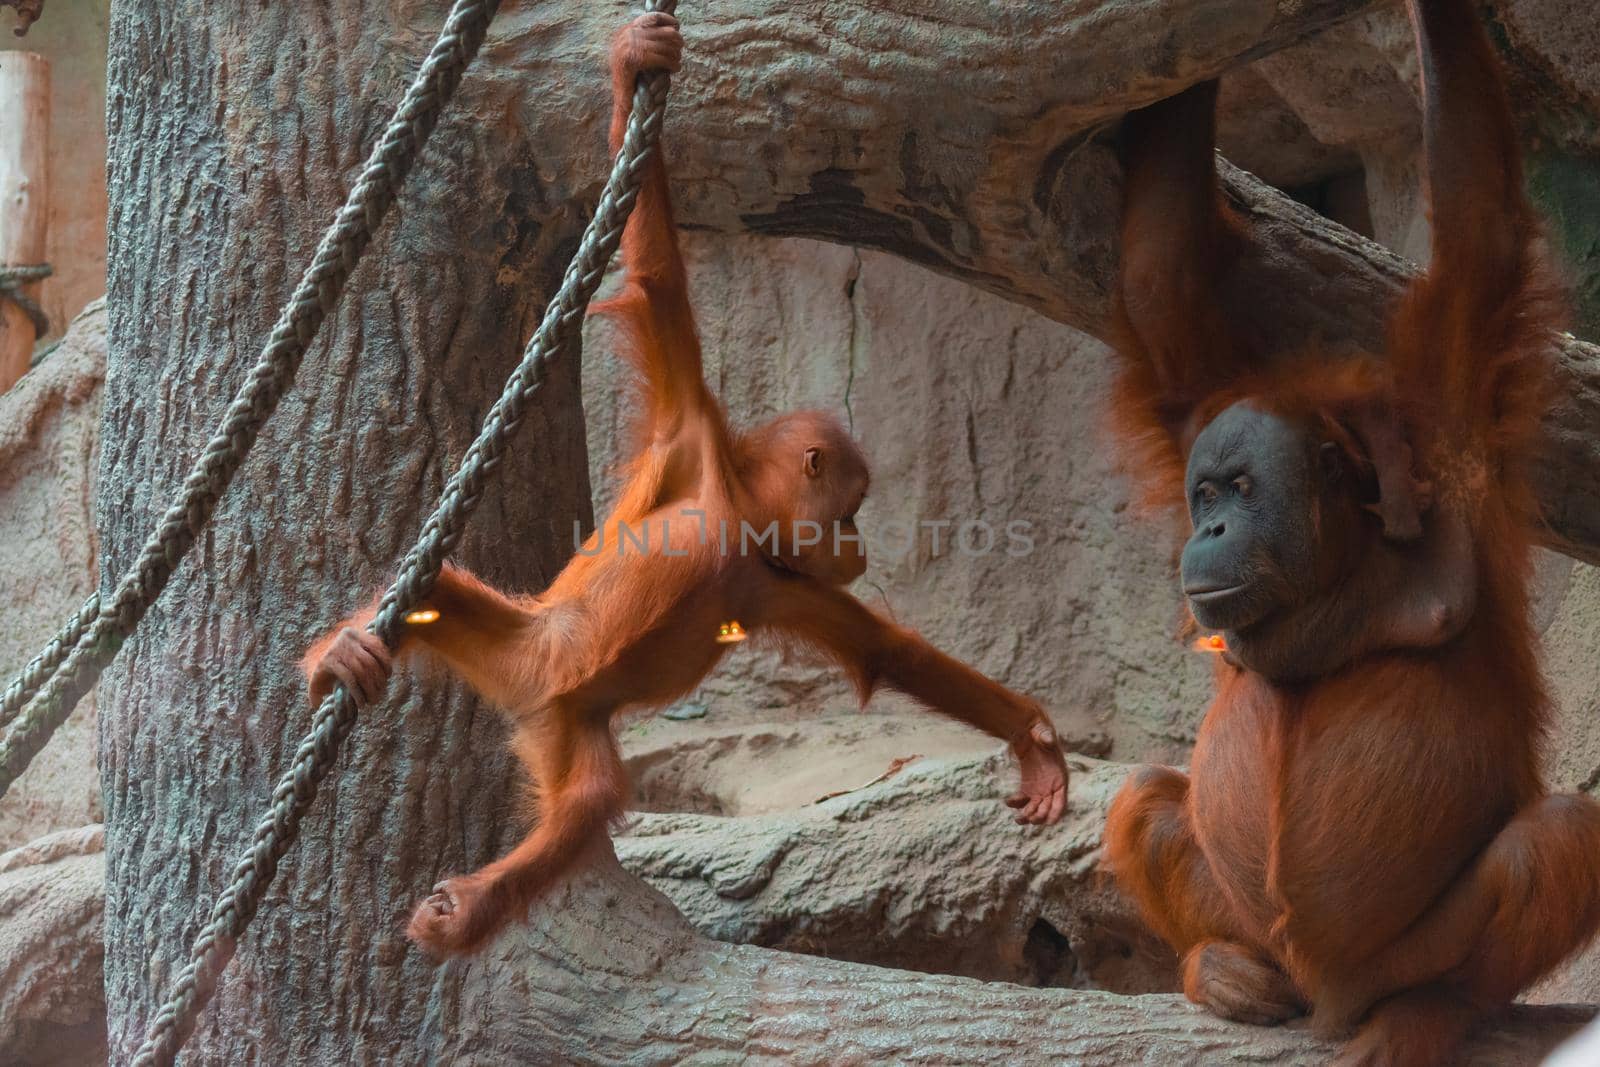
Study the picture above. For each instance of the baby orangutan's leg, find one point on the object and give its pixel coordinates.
(483, 635)
(581, 788)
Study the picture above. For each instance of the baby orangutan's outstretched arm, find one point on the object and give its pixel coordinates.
(876, 652)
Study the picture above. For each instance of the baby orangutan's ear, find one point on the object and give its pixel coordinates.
(813, 462)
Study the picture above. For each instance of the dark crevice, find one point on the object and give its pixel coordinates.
(1341, 198)
(1049, 956)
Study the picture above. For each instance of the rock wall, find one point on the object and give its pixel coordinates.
(49, 425)
(52, 1003)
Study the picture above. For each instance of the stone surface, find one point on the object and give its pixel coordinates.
(607, 971)
(925, 871)
(49, 426)
(52, 1000)
(1552, 46)
(971, 408)
(1259, 130)
(1569, 608)
(724, 766)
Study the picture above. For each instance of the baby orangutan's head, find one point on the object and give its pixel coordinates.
(804, 471)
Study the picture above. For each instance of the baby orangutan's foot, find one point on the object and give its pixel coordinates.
(357, 660)
(443, 925)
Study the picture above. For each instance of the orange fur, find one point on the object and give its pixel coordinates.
(1377, 844)
(633, 626)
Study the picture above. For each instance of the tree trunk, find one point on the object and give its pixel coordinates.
(958, 136)
(235, 130)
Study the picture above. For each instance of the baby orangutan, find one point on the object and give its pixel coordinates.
(634, 625)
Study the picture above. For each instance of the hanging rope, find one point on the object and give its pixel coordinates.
(12, 279)
(62, 680)
(237, 904)
(42, 666)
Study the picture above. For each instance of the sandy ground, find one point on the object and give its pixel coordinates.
(717, 768)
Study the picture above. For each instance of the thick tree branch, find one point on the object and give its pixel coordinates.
(924, 871)
(974, 140)
(610, 973)
(621, 977)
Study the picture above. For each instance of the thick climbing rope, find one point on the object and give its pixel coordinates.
(12, 279)
(336, 716)
(59, 681)
(40, 669)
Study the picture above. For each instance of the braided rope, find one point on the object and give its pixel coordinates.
(297, 789)
(320, 288)
(42, 666)
(12, 279)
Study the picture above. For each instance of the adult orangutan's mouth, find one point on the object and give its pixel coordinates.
(1203, 595)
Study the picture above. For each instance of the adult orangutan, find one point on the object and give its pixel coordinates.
(1370, 839)
(633, 619)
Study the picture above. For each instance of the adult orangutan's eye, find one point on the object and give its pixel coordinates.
(1243, 486)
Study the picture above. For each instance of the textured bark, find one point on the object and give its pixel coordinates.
(235, 131)
(609, 972)
(959, 136)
